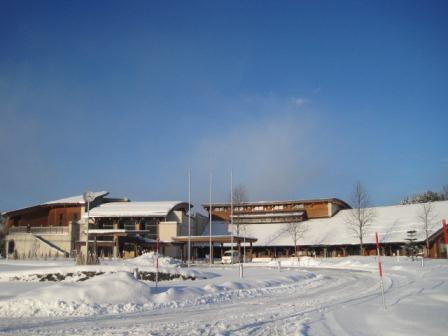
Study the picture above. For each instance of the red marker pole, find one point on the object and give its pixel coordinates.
(157, 264)
(380, 268)
(445, 232)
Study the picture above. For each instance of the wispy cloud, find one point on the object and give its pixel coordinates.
(299, 102)
(270, 155)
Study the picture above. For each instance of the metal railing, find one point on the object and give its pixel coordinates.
(18, 229)
(39, 229)
(49, 230)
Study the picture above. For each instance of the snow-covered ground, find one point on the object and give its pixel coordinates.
(338, 296)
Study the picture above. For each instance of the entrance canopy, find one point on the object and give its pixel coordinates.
(223, 239)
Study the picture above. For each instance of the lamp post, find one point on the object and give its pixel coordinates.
(88, 197)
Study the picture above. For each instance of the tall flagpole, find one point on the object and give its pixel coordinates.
(231, 211)
(189, 217)
(210, 228)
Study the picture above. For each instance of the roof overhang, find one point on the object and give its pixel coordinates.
(224, 239)
(137, 209)
(115, 232)
(72, 201)
(303, 201)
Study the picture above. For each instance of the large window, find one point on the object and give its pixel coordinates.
(151, 225)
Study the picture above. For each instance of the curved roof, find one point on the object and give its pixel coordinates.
(137, 209)
(391, 223)
(77, 199)
(73, 200)
(304, 201)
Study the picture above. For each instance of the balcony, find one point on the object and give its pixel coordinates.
(40, 230)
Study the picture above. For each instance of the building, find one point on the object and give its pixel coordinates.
(50, 228)
(325, 231)
(277, 211)
(128, 228)
(118, 227)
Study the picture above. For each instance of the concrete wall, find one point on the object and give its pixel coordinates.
(28, 245)
(167, 230)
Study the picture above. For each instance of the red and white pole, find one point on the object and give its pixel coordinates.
(380, 268)
(157, 264)
(445, 232)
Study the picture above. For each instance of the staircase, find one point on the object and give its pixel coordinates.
(51, 245)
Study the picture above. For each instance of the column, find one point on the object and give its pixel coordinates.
(116, 245)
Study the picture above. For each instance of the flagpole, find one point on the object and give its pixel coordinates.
(189, 217)
(231, 212)
(210, 228)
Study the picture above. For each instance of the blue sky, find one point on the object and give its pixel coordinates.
(301, 99)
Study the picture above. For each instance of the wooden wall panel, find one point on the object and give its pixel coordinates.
(58, 216)
(63, 216)
(316, 210)
(313, 210)
(38, 217)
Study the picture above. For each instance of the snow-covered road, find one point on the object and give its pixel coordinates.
(340, 301)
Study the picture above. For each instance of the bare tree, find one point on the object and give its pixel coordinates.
(239, 195)
(361, 215)
(445, 192)
(296, 231)
(426, 218)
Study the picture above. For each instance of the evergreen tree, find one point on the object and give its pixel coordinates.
(411, 246)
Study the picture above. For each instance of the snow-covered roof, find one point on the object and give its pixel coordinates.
(313, 200)
(136, 209)
(391, 223)
(79, 199)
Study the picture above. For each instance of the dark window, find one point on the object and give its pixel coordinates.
(11, 247)
(61, 217)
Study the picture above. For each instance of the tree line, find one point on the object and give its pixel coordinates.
(427, 196)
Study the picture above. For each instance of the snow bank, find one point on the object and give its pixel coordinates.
(149, 259)
(32, 271)
(355, 263)
(120, 293)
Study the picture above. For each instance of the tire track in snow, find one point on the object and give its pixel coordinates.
(284, 310)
